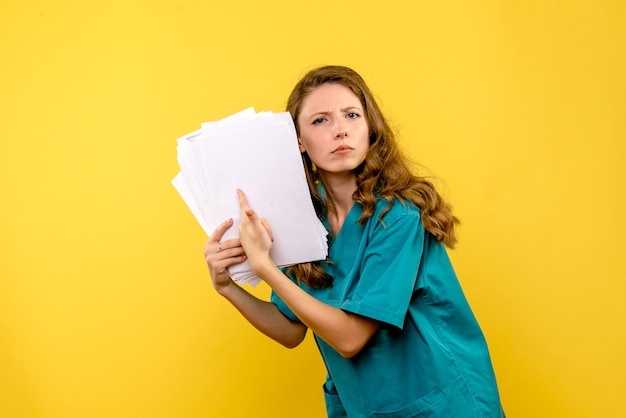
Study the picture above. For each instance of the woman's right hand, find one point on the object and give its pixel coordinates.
(221, 255)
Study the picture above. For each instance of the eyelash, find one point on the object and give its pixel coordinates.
(351, 115)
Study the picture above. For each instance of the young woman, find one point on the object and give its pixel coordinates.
(396, 333)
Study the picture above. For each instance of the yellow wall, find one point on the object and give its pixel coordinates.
(106, 308)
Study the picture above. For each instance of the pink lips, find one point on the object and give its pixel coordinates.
(342, 149)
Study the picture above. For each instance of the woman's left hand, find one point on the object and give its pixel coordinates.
(255, 235)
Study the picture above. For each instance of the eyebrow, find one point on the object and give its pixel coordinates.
(344, 110)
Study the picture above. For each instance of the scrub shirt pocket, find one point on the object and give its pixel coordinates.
(430, 405)
(334, 407)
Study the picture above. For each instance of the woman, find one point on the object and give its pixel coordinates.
(396, 333)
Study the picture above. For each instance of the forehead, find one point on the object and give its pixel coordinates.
(329, 96)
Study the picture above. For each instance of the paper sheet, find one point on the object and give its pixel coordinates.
(257, 153)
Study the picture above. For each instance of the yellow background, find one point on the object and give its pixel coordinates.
(106, 307)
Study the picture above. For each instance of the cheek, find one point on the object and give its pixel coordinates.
(307, 142)
(303, 144)
(364, 154)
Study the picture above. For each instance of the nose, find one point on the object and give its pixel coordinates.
(341, 131)
(341, 135)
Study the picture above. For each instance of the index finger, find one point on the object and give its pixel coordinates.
(221, 229)
(243, 202)
(246, 212)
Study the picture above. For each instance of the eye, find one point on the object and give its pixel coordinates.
(317, 121)
(353, 115)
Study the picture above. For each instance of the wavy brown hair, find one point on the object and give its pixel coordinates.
(386, 173)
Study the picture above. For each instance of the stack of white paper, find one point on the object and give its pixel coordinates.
(257, 153)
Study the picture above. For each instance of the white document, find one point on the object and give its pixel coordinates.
(257, 153)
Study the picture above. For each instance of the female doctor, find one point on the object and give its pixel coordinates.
(392, 324)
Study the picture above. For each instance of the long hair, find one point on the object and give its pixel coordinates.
(386, 173)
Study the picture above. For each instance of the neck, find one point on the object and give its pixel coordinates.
(339, 190)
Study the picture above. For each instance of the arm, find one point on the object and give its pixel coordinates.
(263, 315)
(347, 333)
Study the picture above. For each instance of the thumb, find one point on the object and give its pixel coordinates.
(267, 228)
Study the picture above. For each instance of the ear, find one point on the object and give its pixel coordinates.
(302, 150)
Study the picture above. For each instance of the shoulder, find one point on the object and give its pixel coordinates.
(397, 217)
(400, 209)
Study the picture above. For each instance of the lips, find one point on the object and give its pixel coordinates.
(342, 148)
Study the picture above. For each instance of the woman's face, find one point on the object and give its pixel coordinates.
(333, 129)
